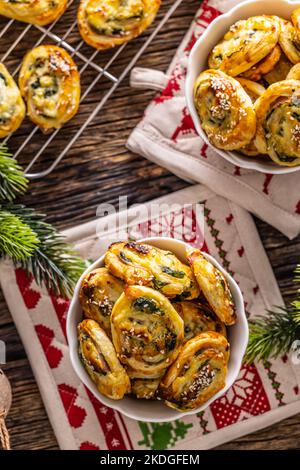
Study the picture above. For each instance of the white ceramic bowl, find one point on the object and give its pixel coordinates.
(198, 63)
(156, 411)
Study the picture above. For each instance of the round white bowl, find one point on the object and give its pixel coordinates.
(156, 411)
(198, 63)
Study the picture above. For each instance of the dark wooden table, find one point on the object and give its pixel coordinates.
(99, 169)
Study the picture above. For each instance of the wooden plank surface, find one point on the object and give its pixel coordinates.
(99, 169)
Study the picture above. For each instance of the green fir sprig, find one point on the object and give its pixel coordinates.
(29, 240)
(273, 334)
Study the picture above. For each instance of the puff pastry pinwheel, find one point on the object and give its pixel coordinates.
(107, 23)
(279, 73)
(138, 263)
(198, 373)
(294, 73)
(12, 108)
(145, 388)
(49, 82)
(225, 110)
(289, 41)
(245, 44)
(213, 286)
(146, 330)
(278, 122)
(98, 294)
(198, 318)
(99, 358)
(39, 12)
(264, 66)
(253, 89)
(296, 21)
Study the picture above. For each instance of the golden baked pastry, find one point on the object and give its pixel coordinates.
(145, 388)
(279, 72)
(107, 23)
(294, 73)
(213, 286)
(245, 44)
(225, 110)
(278, 122)
(146, 330)
(12, 108)
(296, 21)
(39, 12)
(98, 294)
(50, 84)
(198, 373)
(289, 41)
(253, 89)
(100, 361)
(266, 65)
(138, 263)
(198, 318)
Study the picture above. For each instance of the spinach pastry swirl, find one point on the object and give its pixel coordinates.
(98, 294)
(225, 110)
(245, 44)
(107, 23)
(289, 41)
(100, 361)
(146, 330)
(278, 122)
(198, 373)
(50, 84)
(138, 263)
(39, 12)
(12, 108)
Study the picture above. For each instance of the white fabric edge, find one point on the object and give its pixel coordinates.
(40, 368)
(175, 161)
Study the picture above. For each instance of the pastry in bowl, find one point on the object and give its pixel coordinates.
(108, 23)
(39, 12)
(50, 84)
(12, 108)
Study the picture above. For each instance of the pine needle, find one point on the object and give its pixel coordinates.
(273, 335)
(54, 263)
(17, 240)
(12, 179)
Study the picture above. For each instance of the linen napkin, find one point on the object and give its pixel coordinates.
(167, 136)
(262, 394)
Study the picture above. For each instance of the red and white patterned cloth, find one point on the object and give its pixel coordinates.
(167, 136)
(262, 394)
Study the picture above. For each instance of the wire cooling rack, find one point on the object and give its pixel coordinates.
(29, 139)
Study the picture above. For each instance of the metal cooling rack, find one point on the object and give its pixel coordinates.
(86, 62)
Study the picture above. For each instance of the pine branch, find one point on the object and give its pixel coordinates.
(54, 263)
(17, 240)
(12, 179)
(274, 334)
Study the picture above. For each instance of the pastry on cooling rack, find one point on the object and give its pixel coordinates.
(145, 388)
(198, 318)
(266, 65)
(289, 41)
(225, 110)
(278, 122)
(147, 331)
(245, 44)
(198, 373)
(98, 294)
(107, 23)
(100, 361)
(12, 108)
(213, 286)
(50, 84)
(39, 12)
(139, 263)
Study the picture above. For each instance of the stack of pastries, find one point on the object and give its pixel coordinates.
(249, 98)
(155, 327)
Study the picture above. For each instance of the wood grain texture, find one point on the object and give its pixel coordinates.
(99, 169)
